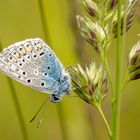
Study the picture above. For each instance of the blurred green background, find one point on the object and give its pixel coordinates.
(72, 119)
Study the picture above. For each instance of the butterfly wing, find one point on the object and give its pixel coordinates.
(32, 63)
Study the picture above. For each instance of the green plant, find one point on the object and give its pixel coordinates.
(102, 22)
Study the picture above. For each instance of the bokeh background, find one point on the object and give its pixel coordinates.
(72, 119)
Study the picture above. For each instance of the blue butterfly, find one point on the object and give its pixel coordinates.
(34, 64)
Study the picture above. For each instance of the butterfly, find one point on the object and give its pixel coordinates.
(33, 63)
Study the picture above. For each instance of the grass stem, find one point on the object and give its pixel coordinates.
(105, 121)
(44, 22)
(105, 63)
(18, 110)
(117, 101)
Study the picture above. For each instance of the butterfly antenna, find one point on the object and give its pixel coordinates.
(43, 104)
(40, 120)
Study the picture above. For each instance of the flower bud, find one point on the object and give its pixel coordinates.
(91, 8)
(90, 84)
(112, 4)
(93, 33)
(129, 18)
(134, 62)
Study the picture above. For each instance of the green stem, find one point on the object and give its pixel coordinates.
(126, 74)
(105, 121)
(105, 63)
(117, 101)
(18, 108)
(44, 22)
(126, 79)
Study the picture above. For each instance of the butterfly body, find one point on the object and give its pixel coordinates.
(34, 64)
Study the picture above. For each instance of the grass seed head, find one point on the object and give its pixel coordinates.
(134, 62)
(91, 84)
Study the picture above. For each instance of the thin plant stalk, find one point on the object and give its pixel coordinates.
(117, 101)
(44, 22)
(125, 80)
(105, 121)
(48, 39)
(105, 63)
(18, 108)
